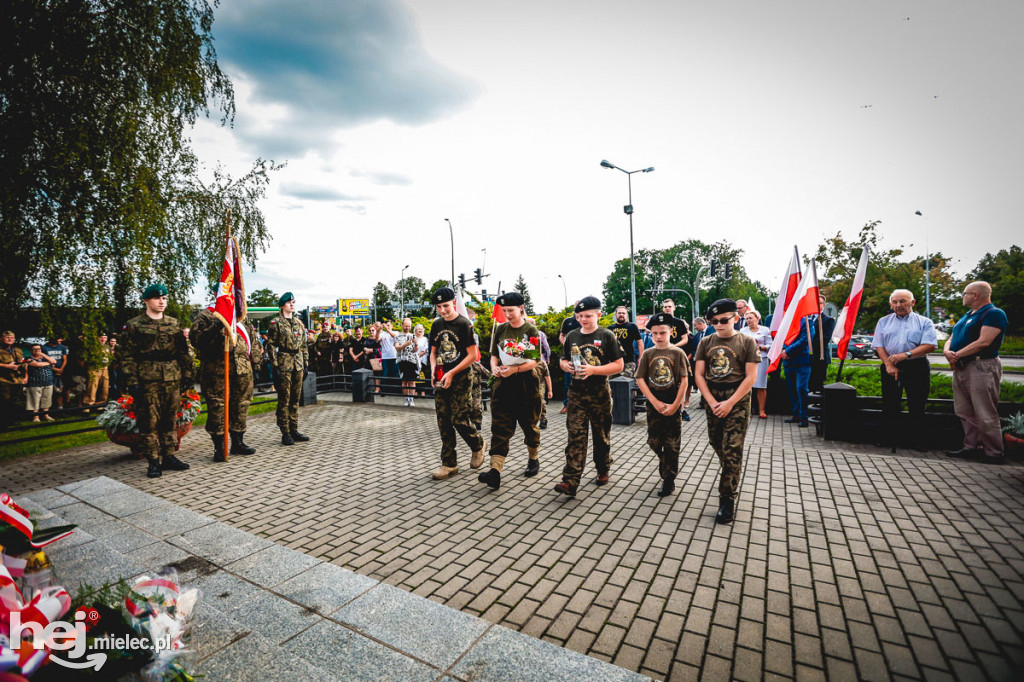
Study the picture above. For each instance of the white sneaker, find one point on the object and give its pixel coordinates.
(412, 402)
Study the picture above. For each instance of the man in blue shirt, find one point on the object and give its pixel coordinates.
(796, 363)
(973, 352)
(903, 341)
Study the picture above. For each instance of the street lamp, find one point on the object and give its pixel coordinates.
(628, 208)
(927, 275)
(565, 293)
(451, 233)
(402, 299)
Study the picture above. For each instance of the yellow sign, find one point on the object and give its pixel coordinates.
(354, 307)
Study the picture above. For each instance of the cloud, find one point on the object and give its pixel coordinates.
(382, 178)
(320, 65)
(301, 190)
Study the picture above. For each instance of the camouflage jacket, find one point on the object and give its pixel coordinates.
(288, 339)
(324, 345)
(154, 350)
(208, 335)
(11, 356)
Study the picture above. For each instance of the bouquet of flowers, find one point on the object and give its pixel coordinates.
(158, 609)
(516, 352)
(119, 420)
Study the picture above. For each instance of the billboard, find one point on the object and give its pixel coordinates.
(325, 310)
(354, 307)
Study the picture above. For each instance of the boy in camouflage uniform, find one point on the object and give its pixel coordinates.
(208, 338)
(725, 370)
(452, 351)
(662, 376)
(516, 396)
(156, 362)
(591, 353)
(287, 338)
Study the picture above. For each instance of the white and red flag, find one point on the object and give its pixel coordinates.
(230, 306)
(804, 302)
(790, 282)
(847, 318)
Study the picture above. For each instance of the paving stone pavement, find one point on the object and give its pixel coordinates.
(844, 562)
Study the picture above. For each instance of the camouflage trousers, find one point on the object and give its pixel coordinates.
(289, 388)
(726, 435)
(454, 408)
(663, 437)
(478, 375)
(515, 401)
(591, 410)
(211, 382)
(155, 408)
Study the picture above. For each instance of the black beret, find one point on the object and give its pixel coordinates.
(443, 295)
(661, 318)
(722, 305)
(511, 298)
(588, 303)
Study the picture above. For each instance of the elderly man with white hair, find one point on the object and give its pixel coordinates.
(903, 340)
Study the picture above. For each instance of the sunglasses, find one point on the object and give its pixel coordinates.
(720, 320)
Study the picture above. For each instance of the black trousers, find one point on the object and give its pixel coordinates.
(915, 379)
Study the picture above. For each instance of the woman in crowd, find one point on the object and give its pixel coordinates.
(763, 338)
(371, 345)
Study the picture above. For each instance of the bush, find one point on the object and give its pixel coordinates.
(868, 381)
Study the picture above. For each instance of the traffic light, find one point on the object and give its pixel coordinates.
(479, 276)
(714, 268)
(462, 280)
(728, 270)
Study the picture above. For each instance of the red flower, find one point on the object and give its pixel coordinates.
(92, 616)
(130, 414)
(534, 340)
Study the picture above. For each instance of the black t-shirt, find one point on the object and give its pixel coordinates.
(679, 328)
(626, 333)
(452, 340)
(598, 348)
(568, 324)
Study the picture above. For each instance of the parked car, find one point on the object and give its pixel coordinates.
(859, 348)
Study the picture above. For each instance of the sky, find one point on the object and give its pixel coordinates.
(769, 124)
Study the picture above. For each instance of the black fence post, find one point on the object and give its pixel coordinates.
(362, 386)
(839, 411)
(622, 400)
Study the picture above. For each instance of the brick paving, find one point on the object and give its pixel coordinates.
(844, 562)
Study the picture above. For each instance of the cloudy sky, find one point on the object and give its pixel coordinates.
(769, 124)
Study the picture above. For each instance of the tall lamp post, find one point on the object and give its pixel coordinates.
(565, 293)
(451, 233)
(628, 208)
(402, 299)
(927, 275)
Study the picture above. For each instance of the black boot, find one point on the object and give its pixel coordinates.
(154, 470)
(218, 447)
(491, 478)
(532, 467)
(173, 463)
(238, 446)
(726, 508)
(298, 437)
(668, 486)
(286, 438)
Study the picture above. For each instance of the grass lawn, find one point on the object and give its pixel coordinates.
(36, 447)
(934, 365)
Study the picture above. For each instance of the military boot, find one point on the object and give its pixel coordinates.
(668, 486)
(492, 477)
(477, 459)
(533, 464)
(238, 446)
(286, 438)
(173, 463)
(726, 510)
(298, 437)
(218, 447)
(154, 470)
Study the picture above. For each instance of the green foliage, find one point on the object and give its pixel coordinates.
(381, 302)
(102, 193)
(658, 271)
(263, 298)
(1005, 272)
(524, 291)
(1014, 424)
(868, 381)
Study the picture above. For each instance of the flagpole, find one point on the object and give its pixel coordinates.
(821, 333)
(227, 370)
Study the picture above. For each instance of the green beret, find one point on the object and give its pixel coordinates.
(155, 290)
(288, 296)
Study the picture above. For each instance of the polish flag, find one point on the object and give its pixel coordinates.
(498, 313)
(230, 305)
(790, 282)
(847, 318)
(804, 303)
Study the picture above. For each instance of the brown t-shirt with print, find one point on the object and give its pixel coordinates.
(725, 359)
(663, 370)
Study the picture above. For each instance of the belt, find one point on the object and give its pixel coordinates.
(289, 352)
